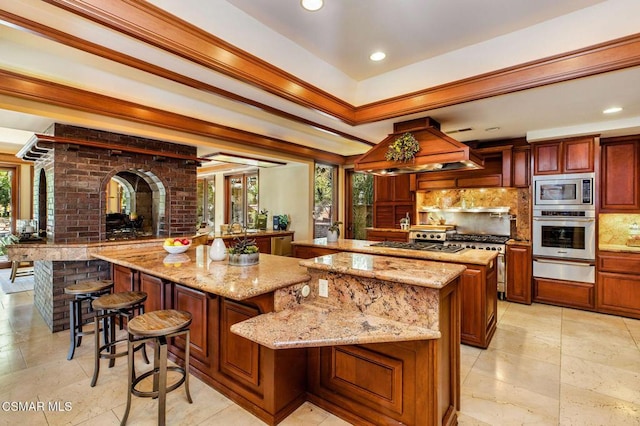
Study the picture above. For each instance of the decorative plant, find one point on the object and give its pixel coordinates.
(283, 220)
(243, 246)
(404, 148)
(6, 241)
(264, 212)
(335, 227)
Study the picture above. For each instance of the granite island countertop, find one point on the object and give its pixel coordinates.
(371, 299)
(194, 269)
(475, 257)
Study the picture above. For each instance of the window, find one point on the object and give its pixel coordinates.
(207, 202)
(324, 211)
(359, 211)
(7, 201)
(242, 199)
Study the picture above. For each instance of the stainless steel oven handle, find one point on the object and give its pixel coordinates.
(555, 262)
(562, 218)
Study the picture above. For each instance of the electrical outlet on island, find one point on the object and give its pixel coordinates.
(323, 288)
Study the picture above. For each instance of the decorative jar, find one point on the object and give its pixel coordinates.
(217, 251)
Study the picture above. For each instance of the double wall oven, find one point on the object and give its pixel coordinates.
(564, 227)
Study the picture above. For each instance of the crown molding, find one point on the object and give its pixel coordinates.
(141, 19)
(38, 90)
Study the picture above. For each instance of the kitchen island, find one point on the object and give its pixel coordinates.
(478, 284)
(382, 347)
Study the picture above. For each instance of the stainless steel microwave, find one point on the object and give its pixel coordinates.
(564, 191)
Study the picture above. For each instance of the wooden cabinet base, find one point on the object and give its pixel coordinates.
(270, 384)
(411, 383)
(479, 295)
(564, 293)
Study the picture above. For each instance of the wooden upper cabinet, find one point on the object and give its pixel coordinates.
(521, 167)
(547, 158)
(394, 197)
(564, 156)
(619, 178)
(393, 188)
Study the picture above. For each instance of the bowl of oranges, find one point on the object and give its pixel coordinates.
(176, 245)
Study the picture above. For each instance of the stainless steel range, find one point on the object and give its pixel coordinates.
(484, 230)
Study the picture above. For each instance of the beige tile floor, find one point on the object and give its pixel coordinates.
(545, 366)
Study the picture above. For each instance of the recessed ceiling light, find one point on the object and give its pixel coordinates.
(492, 129)
(612, 110)
(312, 5)
(377, 56)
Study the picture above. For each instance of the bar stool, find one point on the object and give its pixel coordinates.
(110, 307)
(85, 291)
(158, 326)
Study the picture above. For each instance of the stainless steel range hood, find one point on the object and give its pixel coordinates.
(438, 152)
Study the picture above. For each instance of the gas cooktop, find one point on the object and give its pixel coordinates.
(419, 246)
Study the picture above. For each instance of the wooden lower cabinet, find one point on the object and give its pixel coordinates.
(204, 310)
(564, 293)
(307, 252)
(479, 295)
(155, 289)
(270, 384)
(382, 235)
(124, 279)
(410, 383)
(519, 273)
(618, 284)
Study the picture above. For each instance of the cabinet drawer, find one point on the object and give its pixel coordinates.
(619, 294)
(436, 184)
(564, 293)
(480, 181)
(623, 263)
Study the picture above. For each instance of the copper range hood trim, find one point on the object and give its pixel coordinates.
(438, 152)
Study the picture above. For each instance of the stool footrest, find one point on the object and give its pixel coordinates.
(154, 394)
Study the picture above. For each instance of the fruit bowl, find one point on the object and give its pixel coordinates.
(176, 249)
(171, 247)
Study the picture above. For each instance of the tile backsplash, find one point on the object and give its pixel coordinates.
(614, 228)
(517, 199)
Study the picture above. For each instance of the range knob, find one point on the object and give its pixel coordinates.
(439, 236)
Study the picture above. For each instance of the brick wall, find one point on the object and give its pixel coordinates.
(76, 182)
(77, 177)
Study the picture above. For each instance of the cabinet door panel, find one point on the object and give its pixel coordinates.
(519, 274)
(619, 180)
(619, 294)
(201, 306)
(154, 287)
(471, 292)
(578, 156)
(124, 279)
(521, 168)
(239, 357)
(547, 158)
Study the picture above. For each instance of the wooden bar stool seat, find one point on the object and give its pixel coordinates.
(110, 307)
(158, 326)
(84, 291)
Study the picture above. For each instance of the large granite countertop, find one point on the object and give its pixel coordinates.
(398, 270)
(194, 269)
(371, 299)
(474, 257)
